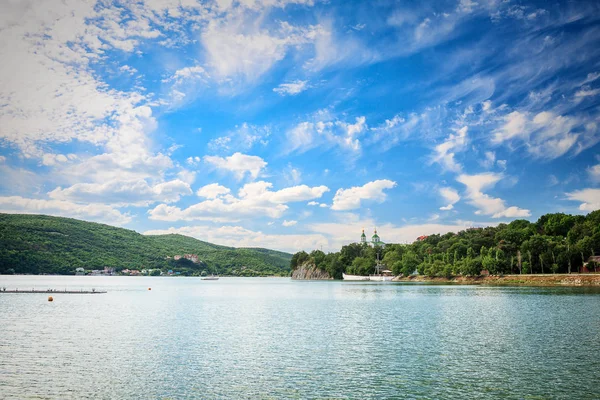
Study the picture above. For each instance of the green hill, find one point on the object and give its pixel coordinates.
(38, 244)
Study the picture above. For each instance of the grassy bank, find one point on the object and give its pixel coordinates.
(517, 280)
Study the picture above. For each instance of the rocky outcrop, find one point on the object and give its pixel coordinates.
(309, 271)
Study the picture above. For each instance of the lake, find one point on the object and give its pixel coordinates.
(277, 338)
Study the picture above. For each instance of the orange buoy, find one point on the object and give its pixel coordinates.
(50, 298)
(149, 288)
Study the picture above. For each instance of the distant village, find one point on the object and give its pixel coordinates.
(108, 271)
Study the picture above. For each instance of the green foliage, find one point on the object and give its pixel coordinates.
(557, 243)
(298, 259)
(39, 244)
(362, 266)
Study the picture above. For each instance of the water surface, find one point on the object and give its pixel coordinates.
(277, 338)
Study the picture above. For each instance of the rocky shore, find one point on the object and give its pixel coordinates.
(515, 280)
(309, 271)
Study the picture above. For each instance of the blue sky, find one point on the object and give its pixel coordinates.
(294, 124)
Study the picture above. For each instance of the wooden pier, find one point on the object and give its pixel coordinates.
(51, 291)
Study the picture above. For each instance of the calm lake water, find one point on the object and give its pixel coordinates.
(276, 338)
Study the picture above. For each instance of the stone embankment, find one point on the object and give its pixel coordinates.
(523, 280)
(309, 271)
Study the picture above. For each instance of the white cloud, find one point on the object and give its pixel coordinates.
(238, 48)
(396, 129)
(349, 199)
(238, 163)
(292, 175)
(291, 88)
(594, 172)
(128, 69)
(212, 191)
(53, 94)
(254, 200)
(237, 236)
(586, 92)
(444, 152)
(185, 84)
(489, 161)
(451, 196)
(242, 138)
(123, 193)
(187, 176)
(122, 165)
(331, 49)
(289, 223)
(545, 134)
(90, 212)
(591, 77)
(589, 198)
(185, 74)
(49, 159)
(313, 203)
(193, 161)
(485, 204)
(19, 180)
(327, 132)
(514, 126)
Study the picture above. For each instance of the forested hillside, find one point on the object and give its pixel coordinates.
(556, 243)
(42, 244)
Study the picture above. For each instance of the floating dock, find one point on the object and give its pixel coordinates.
(52, 291)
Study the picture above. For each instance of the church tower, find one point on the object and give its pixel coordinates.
(363, 237)
(375, 239)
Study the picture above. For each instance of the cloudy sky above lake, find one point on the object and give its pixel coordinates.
(294, 124)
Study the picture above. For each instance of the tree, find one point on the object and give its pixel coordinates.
(362, 266)
(298, 259)
(318, 257)
(409, 263)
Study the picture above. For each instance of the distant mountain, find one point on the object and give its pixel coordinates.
(39, 244)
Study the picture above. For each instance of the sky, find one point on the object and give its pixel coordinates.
(294, 124)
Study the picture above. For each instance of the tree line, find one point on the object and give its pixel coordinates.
(39, 244)
(555, 243)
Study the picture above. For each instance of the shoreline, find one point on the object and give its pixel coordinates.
(511, 280)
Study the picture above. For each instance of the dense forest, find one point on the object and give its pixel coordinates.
(39, 244)
(556, 243)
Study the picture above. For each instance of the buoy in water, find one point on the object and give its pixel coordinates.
(149, 288)
(50, 298)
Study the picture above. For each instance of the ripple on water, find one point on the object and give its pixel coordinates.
(275, 338)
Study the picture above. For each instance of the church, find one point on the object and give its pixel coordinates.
(375, 240)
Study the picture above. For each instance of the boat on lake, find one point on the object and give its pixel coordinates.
(381, 275)
(354, 277)
(210, 278)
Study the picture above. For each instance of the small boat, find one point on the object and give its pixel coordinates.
(210, 278)
(381, 275)
(354, 277)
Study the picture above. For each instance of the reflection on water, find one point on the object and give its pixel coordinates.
(275, 338)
